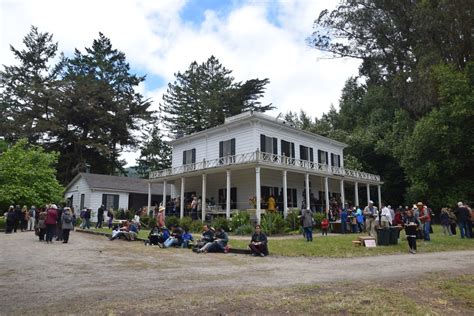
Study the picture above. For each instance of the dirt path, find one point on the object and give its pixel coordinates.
(91, 267)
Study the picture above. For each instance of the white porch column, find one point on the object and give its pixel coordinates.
(164, 194)
(285, 195)
(326, 193)
(181, 204)
(356, 193)
(227, 205)
(379, 196)
(203, 197)
(149, 198)
(343, 196)
(368, 193)
(257, 193)
(306, 178)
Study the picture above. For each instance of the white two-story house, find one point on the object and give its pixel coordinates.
(255, 155)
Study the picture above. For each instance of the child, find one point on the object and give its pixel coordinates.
(324, 226)
(187, 239)
(411, 225)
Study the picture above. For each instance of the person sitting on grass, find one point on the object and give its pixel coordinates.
(258, 245)
(128, 232)
(411, 226)
(176, 237)
(187, 239)
(153, 236)
(206, 237)
(218, 244)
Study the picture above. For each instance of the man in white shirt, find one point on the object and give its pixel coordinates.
(386, 217)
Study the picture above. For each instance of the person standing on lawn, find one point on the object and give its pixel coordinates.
(462, 216)
(259, 244)
(307, 219)
(425, 218)
(370, 213)
(100, 216)
(444, 217)
(87, 219)
(110, 215)
(32, 218)
(411, 225)
(160, 219)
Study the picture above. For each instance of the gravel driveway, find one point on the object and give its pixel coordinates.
(91, 267)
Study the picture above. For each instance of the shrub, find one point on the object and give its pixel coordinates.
(292, 220)
(273, 224)
(219, 222)
(2, 223)
(239, 219)
(246, 229)
(172, 220)
(318, 217)
(151, 222)
(186, 223)
(196, 227)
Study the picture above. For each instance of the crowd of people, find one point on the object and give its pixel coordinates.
(49, 222)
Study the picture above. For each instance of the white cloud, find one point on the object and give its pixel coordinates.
(156, 39)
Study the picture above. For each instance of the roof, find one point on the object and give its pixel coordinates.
(112, 183)
(246, 116)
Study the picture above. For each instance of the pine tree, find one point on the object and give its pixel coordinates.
(155, 153)
(205, 94)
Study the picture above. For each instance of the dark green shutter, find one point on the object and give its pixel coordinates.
(104, 200)
(338, 160)
(292, 154)
(232, 146)
(221, 149)
(262, 143)
(184, 157)
(193, 152)
(116, 202)
(275, 146)
(311, 155)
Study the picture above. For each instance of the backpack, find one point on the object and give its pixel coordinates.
(67, 218)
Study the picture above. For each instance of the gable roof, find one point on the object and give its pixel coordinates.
(109, 183)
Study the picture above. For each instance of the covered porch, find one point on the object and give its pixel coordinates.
(231, 183)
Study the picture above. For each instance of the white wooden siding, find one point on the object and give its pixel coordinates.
(76, 189)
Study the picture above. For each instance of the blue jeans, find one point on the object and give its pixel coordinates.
(426, 230)
(308, 233)
(464, 228)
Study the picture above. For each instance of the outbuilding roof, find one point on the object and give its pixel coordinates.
(109, 183)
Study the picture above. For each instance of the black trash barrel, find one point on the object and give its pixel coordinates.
(383, 237)
(393, 238)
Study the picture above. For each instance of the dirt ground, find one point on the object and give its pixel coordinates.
(92, 275)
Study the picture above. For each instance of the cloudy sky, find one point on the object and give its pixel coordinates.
(255, 39)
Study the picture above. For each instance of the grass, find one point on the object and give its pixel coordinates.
(340, 246)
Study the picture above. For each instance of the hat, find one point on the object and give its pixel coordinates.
(161, 209)
(419, 203)
(371, 202)
(54, 206)
(460, 204)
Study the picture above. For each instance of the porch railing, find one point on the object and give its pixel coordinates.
(266, 158)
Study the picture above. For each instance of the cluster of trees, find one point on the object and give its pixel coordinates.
(409, 114)
(85, 107)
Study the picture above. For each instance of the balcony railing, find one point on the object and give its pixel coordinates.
(265, 158)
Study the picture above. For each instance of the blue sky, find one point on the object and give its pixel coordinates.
(254, 38)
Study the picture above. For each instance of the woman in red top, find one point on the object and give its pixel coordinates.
(51, 220)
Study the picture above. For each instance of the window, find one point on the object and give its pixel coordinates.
(268, 144)
(223, 198)
(335, 160)
(323, 157)
(83, 197)
(287, 149)
(189, 156)
(226, 149)
(306, 153)
(110, 201)
(292, 198)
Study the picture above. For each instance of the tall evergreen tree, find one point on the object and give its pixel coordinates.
(155, 153)
(29, 90)
(205, 94)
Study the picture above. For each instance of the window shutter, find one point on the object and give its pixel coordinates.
(232, 146)
(193, 159)
(338, 160)
(327, 158)
(184, 157)
(303, 153)
(221, 149)
(262, 143)
(275, 146)
(320, 156)
(116, 202)
(311, 155)
(292, 154)
(332, 159)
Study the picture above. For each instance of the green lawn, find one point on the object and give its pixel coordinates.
(340, 246)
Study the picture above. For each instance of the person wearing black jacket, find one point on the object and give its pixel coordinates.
(10, 220)
(100, 217)
(258, 244)
(462, 217)
(18, 215)
(411, 225)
